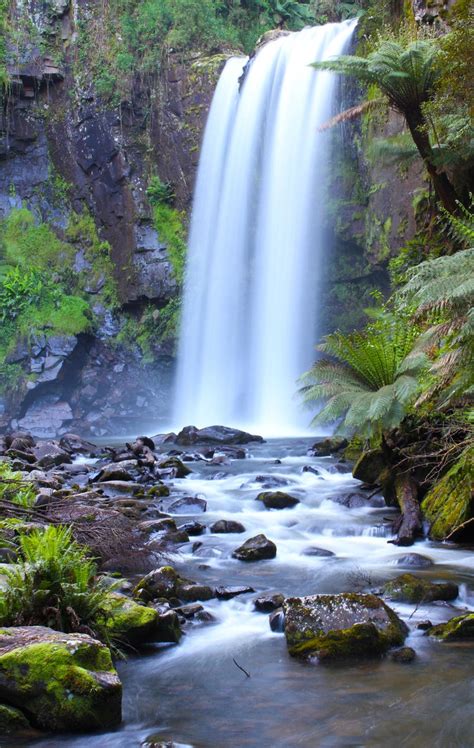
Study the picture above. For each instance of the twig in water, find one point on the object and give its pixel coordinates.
(240, 667)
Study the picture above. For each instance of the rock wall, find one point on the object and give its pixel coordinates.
(63, 149)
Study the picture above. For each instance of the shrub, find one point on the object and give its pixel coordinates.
(54, 584)
(13, 488)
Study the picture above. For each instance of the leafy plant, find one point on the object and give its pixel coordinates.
(14, 488)
(366, 379)
(407, 72)
(54, 584)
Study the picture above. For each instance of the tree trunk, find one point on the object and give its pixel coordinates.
(441, 183)
(410, 525)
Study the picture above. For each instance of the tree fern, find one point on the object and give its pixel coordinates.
(365, 379)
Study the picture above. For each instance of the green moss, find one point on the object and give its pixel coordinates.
(456, 629)
(128, 621)
(158, 490)
(169, 224)
(408, 588)
(450, 503)
(60, 684)
(361, 640)
(12, 720)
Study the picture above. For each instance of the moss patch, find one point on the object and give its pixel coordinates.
(450, 502)
(410, 589)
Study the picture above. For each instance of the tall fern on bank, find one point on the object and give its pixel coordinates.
(365, 379)
(442, 291)
(407, 73)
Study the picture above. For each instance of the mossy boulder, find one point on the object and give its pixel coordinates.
(181, 470)
(62, 682)
(449, 505)
(338, 627)
(158, 490)
(12, 720)
(456, 629)
(136, 624)
(410, 589)
(369, 466)
(329, 446)
(277, 500)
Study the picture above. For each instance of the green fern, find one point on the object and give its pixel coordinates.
(366, 379)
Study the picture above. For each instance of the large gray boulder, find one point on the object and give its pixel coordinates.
(337, 627)
(256, 549)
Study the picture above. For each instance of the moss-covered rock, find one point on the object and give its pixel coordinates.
(277, 500)
(449, 505)
(410, 589)
(62, 682)
(329, 446)
(369, 466)
(12, 720)
(456, 629)
(181, 470)
(335, 627)
(158, 583)
(136, 624)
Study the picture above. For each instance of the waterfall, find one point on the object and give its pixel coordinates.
(256, 249)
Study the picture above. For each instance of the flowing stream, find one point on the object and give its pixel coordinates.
(194, 694)
(256, 240)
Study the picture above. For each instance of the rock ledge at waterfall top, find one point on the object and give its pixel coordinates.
(339, 627)
(215, 435)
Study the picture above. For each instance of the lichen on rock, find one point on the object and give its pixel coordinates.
(335, 627)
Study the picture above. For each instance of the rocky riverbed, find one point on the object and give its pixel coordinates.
(282, 615)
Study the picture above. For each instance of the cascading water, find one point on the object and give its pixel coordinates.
(256, 240)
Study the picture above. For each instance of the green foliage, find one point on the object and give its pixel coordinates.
(169, 224)
(367, 379)
(82, 232)
(160, 192)
(13, 487)
(4, 27)
(27, 243)
(54, 584)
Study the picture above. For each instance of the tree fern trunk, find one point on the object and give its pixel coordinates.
(441, 183)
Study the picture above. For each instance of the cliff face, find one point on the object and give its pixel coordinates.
(64, 151)
(67, 150)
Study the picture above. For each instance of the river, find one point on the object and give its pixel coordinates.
(194, 693)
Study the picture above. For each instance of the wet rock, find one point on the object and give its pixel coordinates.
(50, 454)
(205, 617)
(76, 444)
(226, 526)
(310, 469)
(62, 682)
(404, 655)
(256, 549)
(189, 611)
(276, 621)
(268, 603)
(313, 550)
(137, 624)
(180, 469)
(157, 525)
(413, 561)
(351, 500)
(458, 628)
(277, 500)
(116, 472)
(369, 466)
(193, 528)
(188, 505)
(158, 583)
(410, 589)
(424, 625)
(335, 627)
(227, 593)
(19, 440)
(159, 490)
(215, 435)
(191, 593)
(270, 481)
(119, 487)
(328, 447)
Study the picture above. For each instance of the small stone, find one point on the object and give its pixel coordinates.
(256, 549)
(188, 505)
(277, 500)
(269, 603)
(277, 621)
(404, 655)
(424, 625)
(227, 593)
(227, 526)
(313, 550)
